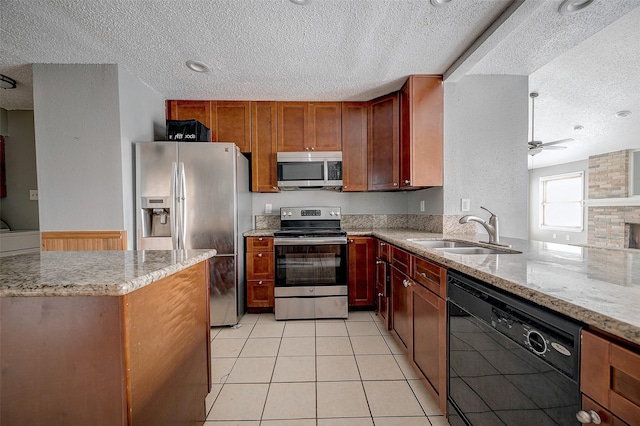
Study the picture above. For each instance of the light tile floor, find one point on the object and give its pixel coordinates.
(314, 373)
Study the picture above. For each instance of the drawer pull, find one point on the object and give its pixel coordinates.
(259, 254)
(260, 239)
(406, 283)
(380, 295)
(260, 282)
(590, 417)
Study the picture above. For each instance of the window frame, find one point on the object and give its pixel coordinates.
(542, 190)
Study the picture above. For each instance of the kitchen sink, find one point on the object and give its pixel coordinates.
(440, 244)
(476, 250)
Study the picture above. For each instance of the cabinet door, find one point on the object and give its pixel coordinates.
(260, 294)
(260, 266)
(354, 146)
(193, 110)
(400, 316)
(429, 340)
(383, 146)
(293, 118)
(263, 152)
(325, 126)
(233, 123)
(361, 280)
(382, 294)
(421, 131)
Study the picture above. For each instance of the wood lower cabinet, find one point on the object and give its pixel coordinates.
(354, 146)
(260, 272)
(605, 416)
(361, 272)
(400, 307)
(383, 143)
(264, 147)
(610, 376)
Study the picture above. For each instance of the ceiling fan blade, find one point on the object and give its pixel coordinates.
(553, 147)
(557, 142)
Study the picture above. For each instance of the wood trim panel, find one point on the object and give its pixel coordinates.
(83, 240)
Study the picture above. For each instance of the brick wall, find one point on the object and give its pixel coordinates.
(609, 226)
(609, 175)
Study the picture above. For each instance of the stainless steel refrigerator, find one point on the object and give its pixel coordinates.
(196, 196)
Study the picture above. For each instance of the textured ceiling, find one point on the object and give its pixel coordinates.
(337, 50)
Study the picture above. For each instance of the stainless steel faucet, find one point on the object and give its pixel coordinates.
(491, 227)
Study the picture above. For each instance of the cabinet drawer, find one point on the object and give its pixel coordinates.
(382, 250)
(431, 276)
(260, 293)
(401, 260)
(606, 418)
(610, 374)
(260, 266)
(259, 244)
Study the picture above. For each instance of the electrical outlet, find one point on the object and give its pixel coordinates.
(465, 204)
(33, 194)
(422, 205)
(567, 237)
(268, 208)
(553, 236)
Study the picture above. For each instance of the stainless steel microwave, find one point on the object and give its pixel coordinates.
(309, 170)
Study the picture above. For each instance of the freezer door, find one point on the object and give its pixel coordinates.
(227, 297)
(153, 161)
(210, 195)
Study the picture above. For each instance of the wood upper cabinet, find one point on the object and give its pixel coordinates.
(193, 110)
(325, 126)
(293, 126)
(354, 146)
(610, 375)
(263, 151)
(361, 272)
(305, 126)
(421, 131)
(233, 123)
(383, 143)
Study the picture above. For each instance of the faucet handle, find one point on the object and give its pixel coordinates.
(484, 208)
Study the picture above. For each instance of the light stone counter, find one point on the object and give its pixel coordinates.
(91, 273)
(600, 287)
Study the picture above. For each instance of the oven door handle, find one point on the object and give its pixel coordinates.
(305, 241)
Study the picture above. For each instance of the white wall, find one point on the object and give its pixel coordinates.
(485, 159)
(535, 233)
(433, 201)
(142, 118)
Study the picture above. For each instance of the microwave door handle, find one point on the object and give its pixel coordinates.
(326, 172)
(174, 211)
(183, 198)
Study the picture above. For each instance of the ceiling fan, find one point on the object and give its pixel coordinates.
(534, 146)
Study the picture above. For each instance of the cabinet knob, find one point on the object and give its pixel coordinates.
(259, 254)
(407, 182)
(395, 183)
(260, 239)
(406, 283)
(423, 274)
(590, 417)
(383, 244)
(380, 295)
(350, 241)
(313, 149)
(378, 262)
(344, 187)
(274, 188)
(260, 282)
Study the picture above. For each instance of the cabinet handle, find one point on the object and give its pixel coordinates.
(406, 283)
(383, 244)
(260, 282)
(407, 182)
(350, 241)
(588, 418)
(260, 239)
(380, 295)
(395, 183)
(378, 262)
(423, 274)
(259, 254)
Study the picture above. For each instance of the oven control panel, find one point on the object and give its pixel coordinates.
(309, 213)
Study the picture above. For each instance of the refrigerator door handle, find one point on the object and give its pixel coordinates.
(173, 195)
(183, 199)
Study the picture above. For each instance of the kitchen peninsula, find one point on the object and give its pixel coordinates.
(109, 338)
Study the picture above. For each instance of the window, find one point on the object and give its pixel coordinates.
(561, 202)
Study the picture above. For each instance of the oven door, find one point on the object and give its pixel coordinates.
(304, 262)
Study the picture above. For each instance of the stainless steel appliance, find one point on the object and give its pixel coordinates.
(196, 196)
(510, 362)
(311, 264)
(310, 170)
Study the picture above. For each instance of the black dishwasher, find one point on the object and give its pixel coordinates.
(510, 362)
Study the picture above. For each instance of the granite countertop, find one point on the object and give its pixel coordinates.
(91, 273)
(600, 287)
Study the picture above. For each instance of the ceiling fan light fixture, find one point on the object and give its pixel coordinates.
(197, 66)
(7, 82)
(578, 128)
(623, 114)
(569, 7)
(534, 151)
(440, 3)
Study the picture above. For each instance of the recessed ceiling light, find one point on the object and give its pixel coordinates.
(578, 128)
(623, 114)
(300, 2)
(569, 7)
(197, 66)
(438, 3)
(7, 82)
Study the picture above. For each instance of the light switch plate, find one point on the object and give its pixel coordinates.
(465, 204)
(422, 205)
(268, 208)
(33, 194)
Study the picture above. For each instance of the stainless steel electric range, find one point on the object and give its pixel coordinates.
(311, 264)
